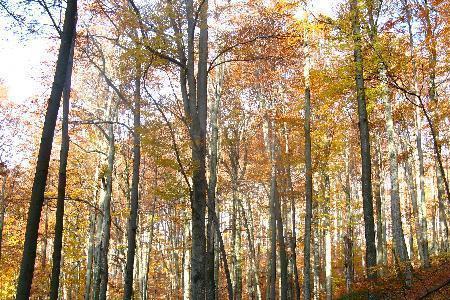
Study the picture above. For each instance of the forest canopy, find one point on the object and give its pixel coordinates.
(243, 149)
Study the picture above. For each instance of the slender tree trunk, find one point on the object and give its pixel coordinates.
(211, 286)
(293, 240)
(415, 208)
(272, 274)
(104, 219)
(45, 149)
(251, 245)
(316, 253)
(64, 153)
(397, 229)
(420, 184)
(282, 247)
(2, 210)
(308, 178)
(106, 227)
(328, 273)
(348, 237)
(366, 172)
(186, 263)
(430, 39)
(134, 205)
(90, 256)
(236, 240)
(442, 214)
(149, 252)
(378, 206)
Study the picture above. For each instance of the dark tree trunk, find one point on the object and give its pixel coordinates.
(64, 153)
(308, 182)
(45, 149)
(293, 240)
(134, 203)
(281, 247)
(366, 172)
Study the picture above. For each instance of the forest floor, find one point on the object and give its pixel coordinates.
(428, 284)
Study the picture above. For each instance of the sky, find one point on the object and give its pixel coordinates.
(21, 62)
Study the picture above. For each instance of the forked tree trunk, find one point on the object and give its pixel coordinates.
(45, 148)
(64, 153)
(134, 197)
(366, 170)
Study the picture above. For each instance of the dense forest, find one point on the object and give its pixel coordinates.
(240, 149)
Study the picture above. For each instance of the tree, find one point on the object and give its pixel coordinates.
(64, 153)
(45, 149)
(366, 169)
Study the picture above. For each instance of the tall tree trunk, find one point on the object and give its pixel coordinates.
(308, 177)
(45, 149)
(328, 274)
(236, 240)
(378, 205)
(2, 209)
(104, 221)
(134, 197)
(397, 230)
(251, 245)
(197, 115)
(64, 153)
(106, 227)
(293, 240)
(431, 43)
(443, 227)
(348, 237)
(282, 247)
(149, 250)
(186, 262)
(366, 172)
(272, 271)
(413, 193)
(211, 287)
(316, 253)
(420, 173)
(90, 255)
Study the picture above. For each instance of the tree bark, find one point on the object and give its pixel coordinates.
(134, 205)
(197, 114)
(211, 287)
(293, 240)
(378, 205)
(308, 177)
(366, 172)
(104, 223)
(251, 245)
(397, 230)
(45, 149)
(281, 247)
(64, 153)
(328, 272)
